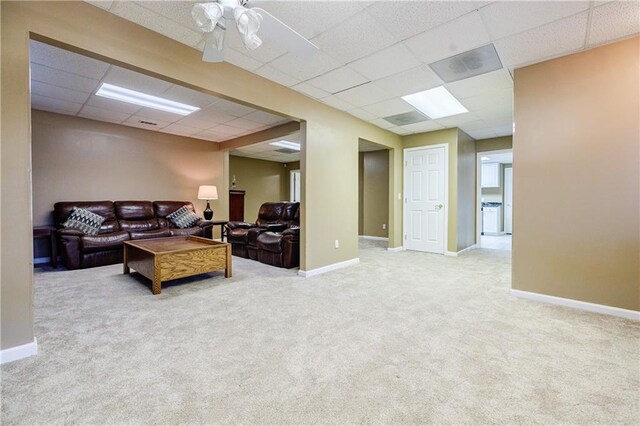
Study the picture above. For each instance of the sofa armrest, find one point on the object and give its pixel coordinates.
(240, 225)
(274, 227)
(207, 228)
(293, 230)
(202, 223)
(69, 243)
(70, 232)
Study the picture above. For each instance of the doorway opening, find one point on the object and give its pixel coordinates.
(495, 199)
(373, 194)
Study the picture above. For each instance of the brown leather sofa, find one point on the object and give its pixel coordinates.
(275, 219)
(125, 220)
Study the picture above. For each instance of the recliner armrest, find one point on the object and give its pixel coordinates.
(70, 232)
(204, 223)
(238, 225)
(293, 230)
(274, 227)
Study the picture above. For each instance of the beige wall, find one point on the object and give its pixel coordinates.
(374, 211)
(262, 180)
(79, 159)
(577, 181)
(466, 191)
(494, 144)
(329, 134)
(449, 137)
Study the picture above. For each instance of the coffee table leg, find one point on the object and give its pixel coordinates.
(125, 263)
(227, 270)
(156, 285)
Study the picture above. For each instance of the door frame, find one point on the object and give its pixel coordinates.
(446, 191)
(479, 156)
(292, 183)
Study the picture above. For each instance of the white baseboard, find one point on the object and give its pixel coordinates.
(19, 352)
(332, 267)
(371, 237)
(400, 248)
(578, 304)
(458, 253)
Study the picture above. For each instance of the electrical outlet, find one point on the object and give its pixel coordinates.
(399, 195)
(384, 226)
(336, 244)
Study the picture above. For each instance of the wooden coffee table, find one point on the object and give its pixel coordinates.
(163, 259)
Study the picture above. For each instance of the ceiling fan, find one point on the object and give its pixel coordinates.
(212, 18)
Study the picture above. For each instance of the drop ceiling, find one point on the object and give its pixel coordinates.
(66, 83)
(265, 151)
(374, 52)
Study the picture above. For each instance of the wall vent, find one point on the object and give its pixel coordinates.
(147, 122)
(467, 64)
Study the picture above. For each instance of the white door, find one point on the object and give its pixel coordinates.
(424, 188)
(295, 185)
(508, 199)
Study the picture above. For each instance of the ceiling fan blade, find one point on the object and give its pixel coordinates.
(287, 37)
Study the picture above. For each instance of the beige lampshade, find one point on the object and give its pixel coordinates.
(207, 192)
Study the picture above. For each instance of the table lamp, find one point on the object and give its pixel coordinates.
(208, 192)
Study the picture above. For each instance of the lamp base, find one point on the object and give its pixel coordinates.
(208, 213)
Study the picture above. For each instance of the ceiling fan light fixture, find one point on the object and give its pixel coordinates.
(207, 15)
(248, 22)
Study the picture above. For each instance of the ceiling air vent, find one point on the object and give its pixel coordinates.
(147, 122)
(468, 64)
(287, 151)
(406, 118)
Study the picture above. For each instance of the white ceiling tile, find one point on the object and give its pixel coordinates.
(613, 21)
(212, 115)
(232, 108)
(267, 52)
(88, 111)
(241, 60)
(400, 131)
(177, 11)
(364, 95)
(481, 84)
(410, 81)
(154, 115)
(362, 114)
(102, 4)
(210, 136)
(112, 105)
(551, 40)
(310, 90)
(389, 61)
(156, 22)
(304, 69)
(460, 35)
(505, 18)
(225, 130)
(55, 92)
(473, 125)
(244, 124)
(352, 39)
(136, 81)
(338, 103)
(481, 134)
(54, 105)
(458, 120)
(189, 96)
(267, 71)
(504, 130)
(424, 126)
(381, 123)
(389, 107)
(408, 18)
(311, 18)
(61, 78)
(134, 121)
(264, 117)
(54, 57)
(178, 129)
(338, 80)
(197, 123)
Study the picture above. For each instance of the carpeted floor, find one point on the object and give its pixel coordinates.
(400, 338)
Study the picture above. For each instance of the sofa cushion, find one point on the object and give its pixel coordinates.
(84, 220)
(270, 241)
(139, 225)
(62, 210)
(238, 235)
(183, 218)
(109, 226)
(163, 209)
(95, 243)
(134, 210)
(155, 233)
(196, 230)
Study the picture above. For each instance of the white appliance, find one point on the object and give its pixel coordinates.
(491, 214)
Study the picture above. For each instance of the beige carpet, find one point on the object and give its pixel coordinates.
(401, 338)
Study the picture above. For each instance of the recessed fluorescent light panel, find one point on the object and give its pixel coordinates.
(467, 64)
(138, 98)
(286, 144)
(436, 103)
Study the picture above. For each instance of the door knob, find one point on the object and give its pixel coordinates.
(439, 206)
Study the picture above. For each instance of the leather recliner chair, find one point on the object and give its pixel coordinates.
(281, 249)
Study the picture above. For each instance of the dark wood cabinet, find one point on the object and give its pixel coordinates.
(236, 205)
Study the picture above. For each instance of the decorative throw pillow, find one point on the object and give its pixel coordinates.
(84, 220)
(183, 218)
